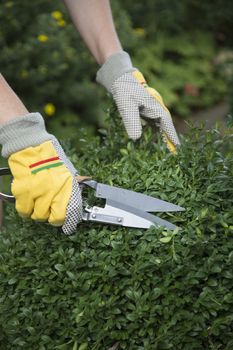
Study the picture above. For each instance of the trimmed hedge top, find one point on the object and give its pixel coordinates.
(108, 287)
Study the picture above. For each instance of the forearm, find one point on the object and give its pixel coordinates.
(93, 20)
(10, 104)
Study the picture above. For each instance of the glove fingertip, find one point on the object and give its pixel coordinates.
(135, 135)
(134, 128)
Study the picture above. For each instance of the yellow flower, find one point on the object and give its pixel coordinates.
(61, 23)
(43, 38)
(56, 15)
(49, 109)
(9, 4)
(24, 74)
(140, 32)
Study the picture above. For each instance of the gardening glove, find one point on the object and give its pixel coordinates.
(134, 98)
(44, 180)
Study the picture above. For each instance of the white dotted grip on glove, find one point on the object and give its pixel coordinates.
(74, 209)
(134, 99)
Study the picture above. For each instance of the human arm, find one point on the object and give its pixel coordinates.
(44, 180)
(133, 97)
(93, 20)
(10, 104)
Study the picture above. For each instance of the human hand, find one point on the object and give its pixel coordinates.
(134, 98)
(44, 184)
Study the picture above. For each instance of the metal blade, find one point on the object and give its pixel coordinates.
(135, 199)
(120, 214)
(135, 217)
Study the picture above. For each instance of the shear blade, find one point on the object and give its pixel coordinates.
(135, 199)
(133, 217)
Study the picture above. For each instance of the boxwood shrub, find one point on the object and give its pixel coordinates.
(108, 287)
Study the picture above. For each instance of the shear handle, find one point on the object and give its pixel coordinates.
(5, 171)
(88, 182)
(3, 196)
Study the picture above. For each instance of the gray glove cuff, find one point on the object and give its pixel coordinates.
(115, 66)
(23, 132)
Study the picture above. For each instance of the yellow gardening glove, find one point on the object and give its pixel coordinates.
(134, 98)
(44, 181)
(158, 111)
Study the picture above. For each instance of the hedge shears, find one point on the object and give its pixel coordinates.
(122, 207)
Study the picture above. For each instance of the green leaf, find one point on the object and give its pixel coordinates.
(212, 282)
(75, 347)
(12, 281)
(79, 317)
(165, 239)
(59, 267)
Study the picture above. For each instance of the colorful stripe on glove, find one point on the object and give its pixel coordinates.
(50, 163)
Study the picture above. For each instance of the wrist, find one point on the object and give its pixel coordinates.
(23, 132)
(115, 66)
(106, 53)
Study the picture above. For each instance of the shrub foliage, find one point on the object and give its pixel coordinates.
(136, 289)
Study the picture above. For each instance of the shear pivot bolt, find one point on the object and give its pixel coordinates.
(94, 216)
(119, 219)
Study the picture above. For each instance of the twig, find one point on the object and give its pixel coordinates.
(114, 347)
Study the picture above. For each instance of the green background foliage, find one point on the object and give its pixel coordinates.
(141, 289)
(175, 44)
